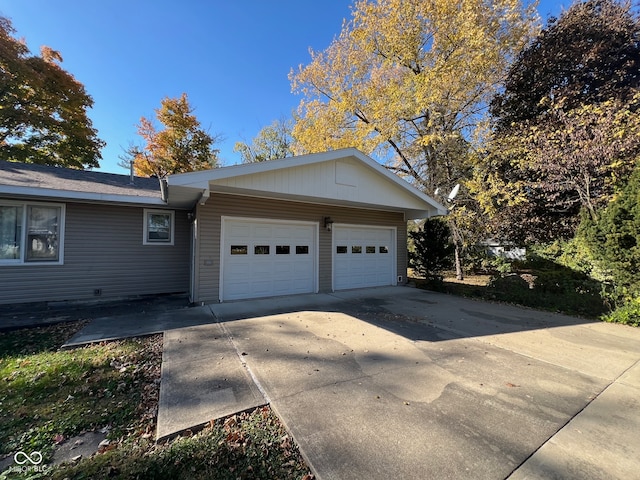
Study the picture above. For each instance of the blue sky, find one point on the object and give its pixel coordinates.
(232, 58)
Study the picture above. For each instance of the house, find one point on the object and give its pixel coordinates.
(505, 249)
(313, 223)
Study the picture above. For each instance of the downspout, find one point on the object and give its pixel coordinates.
(195, 246)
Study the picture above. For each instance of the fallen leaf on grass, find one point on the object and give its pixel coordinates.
(285, 443)
(230, 422)
(511, 385)
(235, 437)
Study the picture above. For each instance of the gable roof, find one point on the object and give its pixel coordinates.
(43, 181)
(340, 177)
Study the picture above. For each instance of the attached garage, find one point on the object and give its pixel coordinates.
(265, 258)
(314, 223)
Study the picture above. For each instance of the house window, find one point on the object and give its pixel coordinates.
(341, 249)
(302, 249)
(11, 232)
(158, 227)
(371, 249)
(384, 249)
(42, 234)
(31, 233)
(356, 249)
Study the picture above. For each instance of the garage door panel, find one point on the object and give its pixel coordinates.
(301, 234)
(341, 265)
(236, 287)
(340, 236)
(300, 269)
(260, 233)
(239, 270)
(271, 265)
(360, 259)
(239, 231)
(261, 287)
(283, 269)
(260, 269)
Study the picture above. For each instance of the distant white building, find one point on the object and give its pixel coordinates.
(497, 248)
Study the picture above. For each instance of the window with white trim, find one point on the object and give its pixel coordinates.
(31, 232)
(158, 227)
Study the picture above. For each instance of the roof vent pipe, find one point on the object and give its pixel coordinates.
(131, 171)
(164, 190)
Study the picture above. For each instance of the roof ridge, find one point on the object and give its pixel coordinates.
(38, 166)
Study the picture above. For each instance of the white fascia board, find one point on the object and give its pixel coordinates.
(73, 195)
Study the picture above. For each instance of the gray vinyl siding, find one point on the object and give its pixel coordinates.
(207, 268)
(103, 250)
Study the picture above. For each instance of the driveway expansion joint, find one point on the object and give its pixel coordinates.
(240, 355)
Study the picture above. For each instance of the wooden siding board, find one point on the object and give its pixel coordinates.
(218, 205)
(103, 250)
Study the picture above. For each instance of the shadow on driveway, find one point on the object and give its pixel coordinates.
(406, 311)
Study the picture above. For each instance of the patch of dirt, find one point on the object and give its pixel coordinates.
(475, 280)
(80, 446)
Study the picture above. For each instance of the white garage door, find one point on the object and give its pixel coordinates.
(363, 257)
(265, 258)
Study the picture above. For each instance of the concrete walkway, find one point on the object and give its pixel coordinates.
(138, 324)
(203, 378)
(403, 383)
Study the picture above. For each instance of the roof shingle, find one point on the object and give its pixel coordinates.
(30, 175)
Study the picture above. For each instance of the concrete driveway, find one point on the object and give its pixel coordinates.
(403, 383)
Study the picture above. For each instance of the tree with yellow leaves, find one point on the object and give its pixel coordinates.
(181, 146)
(409, 82)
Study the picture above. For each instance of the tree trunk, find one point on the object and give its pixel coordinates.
(458, 243)
(458, 255)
